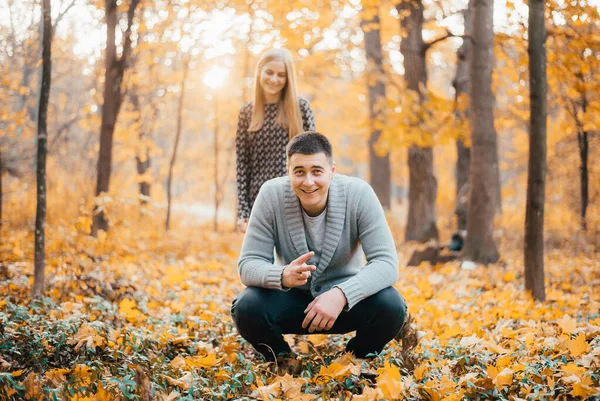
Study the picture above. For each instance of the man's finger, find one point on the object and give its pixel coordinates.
(306, 268)
(315, 324)
(324, 323)
(310, 305)
(329, 324)
(302, 259)
(308, 318)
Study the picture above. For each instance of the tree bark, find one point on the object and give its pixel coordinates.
(142, 156)
(480, 246)
(461, 86)
(536, 176)
(583, 142)
(177, 138)
(37, 289)
(1, 190)
(379, 166)
(115, 69)
(422, 191)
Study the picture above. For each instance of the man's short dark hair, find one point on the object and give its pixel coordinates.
(309, 143)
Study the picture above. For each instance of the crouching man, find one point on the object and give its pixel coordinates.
(302, 258)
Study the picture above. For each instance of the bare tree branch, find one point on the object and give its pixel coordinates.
(61, 15)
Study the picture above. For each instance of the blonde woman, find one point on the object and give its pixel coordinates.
(266, 125)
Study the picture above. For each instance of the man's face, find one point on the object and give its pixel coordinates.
(310, 176)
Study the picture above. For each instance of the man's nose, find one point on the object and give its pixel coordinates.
(309, 179)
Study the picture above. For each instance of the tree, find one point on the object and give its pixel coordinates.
(379, 165)
(461, 90)
(115, 69)
(422, 192)
(42, 149)
(536, 176)
(480, 246)
(186, 67)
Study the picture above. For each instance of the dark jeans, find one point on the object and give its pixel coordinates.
(262, 316)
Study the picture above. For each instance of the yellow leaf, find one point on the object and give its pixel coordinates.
(504, 378)
(291, 387)
(509, 277)
(317, 339)
(102, 394)
(389, 381)
(420, 371)
(584, 388)
(567, 324)
(206, 362)
(184, 383)
(578, 346)
(178, 362)
(369, 394)
(83, 373)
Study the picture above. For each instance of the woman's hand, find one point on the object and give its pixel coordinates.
(242, 225)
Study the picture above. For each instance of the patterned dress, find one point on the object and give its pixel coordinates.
(260, 155)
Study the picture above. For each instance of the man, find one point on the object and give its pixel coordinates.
(319, 223)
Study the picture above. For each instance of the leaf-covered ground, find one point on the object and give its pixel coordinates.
(142, 315)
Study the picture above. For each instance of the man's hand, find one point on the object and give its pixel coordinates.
(297, 272)
(324, 310)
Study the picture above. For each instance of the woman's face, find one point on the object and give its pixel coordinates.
(272, 79)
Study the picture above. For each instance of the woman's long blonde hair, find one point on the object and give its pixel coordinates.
(288, 108)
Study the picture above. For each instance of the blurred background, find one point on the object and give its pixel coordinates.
(190, 68)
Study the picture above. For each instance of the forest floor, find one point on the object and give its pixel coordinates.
(140, 314)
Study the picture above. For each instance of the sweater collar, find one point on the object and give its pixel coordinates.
(336, 212)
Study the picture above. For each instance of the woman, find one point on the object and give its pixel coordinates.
(266, 125)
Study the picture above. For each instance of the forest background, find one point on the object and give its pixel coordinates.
(389, 84)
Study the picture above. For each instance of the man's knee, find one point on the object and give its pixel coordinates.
(391, 305)
(248, 305)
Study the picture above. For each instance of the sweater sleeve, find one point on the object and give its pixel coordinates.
(308, 117)
(242, 153)
(256, 264)
(381, 270)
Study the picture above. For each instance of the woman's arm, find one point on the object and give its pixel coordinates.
(242, 153)
(308, 118)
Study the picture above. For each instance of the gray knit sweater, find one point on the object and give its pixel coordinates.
(355, 224)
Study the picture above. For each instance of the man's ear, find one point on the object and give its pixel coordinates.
(333, 168)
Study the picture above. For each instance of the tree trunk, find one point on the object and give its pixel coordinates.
(536, 176)
(115, 69)
(480, 246)
(37, 289)
(582, 139)
(142, 156)
(177, 138)
(461, 86)
(583, 142)
(1, 191)
(379, 166)
(422, 191)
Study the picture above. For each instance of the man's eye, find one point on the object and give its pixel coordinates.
(299, 172)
